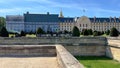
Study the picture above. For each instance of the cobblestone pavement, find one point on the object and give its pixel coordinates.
(28, 62)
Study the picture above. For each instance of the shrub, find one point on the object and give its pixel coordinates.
(75, 32)
(4, 32)
(23, 33)
(107, 32)
(85, 32)
(114, 32)
(40, 31)
(95, 33)
(90, 31)
(66, 32)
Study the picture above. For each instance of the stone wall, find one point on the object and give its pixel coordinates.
(85, 46)
(26, 50)
(64, 58)
(86, 50)
(54, 40)
(113, 52)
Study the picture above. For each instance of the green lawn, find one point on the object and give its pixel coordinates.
(28, 35)
(11, 35)
(98, 62)
(32, 35)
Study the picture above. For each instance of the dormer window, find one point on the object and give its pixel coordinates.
(104, 20)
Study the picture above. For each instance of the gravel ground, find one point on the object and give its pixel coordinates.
(28, 62)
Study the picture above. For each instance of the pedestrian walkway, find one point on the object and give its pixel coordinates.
(28, 62)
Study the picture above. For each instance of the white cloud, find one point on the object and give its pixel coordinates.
(103, 10)
(12, 10)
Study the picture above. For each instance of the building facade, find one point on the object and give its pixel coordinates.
(66, 24)
(15, 23)
(31, 22)
(57, 22)
(98, 24)
(48, 22)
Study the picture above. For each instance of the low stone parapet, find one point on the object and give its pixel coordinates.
(27, 51)
(54, 40)
(113, 49)
(65, 59)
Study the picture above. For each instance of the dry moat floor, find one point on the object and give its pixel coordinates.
(98, 62)
(28, 62)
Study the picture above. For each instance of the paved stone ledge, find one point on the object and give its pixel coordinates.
(28, 62)
(113, 38)
(113, 50)
(65, 59)
(54, 40)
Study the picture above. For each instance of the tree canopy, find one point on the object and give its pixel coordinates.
(4, 32)
(75, 32)
(114, 32)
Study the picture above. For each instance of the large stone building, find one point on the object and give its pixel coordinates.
(48, 22)
(98, 24)
(55, 22)
(15, 23)
(31, 22)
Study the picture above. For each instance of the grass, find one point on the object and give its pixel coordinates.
(28, 35)
(32, 35)
(10, 35)
(98, 62)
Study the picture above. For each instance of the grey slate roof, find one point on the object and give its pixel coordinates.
(67, 19)
(14, 18)
(103, 20)
(41, 17)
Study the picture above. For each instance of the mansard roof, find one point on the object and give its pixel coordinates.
(66, 19)
(103, 20)
(41, 17)
(14, 18)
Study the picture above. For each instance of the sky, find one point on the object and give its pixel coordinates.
(70, 8)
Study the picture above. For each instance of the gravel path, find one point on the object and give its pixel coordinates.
(28, 62)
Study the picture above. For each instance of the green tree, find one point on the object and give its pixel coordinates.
(82, 31)
(107, 32)
(23, 33)
(2, 22)
(114, 32)
(40, 31)
(85, 32)
(65, 31)
(95, 33)
(75, 32)
(90, 31)
(4, 32)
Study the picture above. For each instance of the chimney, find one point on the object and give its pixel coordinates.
(27, 12)
(110, 19)
(94, 18)
(115, 19)
(48, 13)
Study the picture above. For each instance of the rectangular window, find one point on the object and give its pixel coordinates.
(80, 25)
(86, 25)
